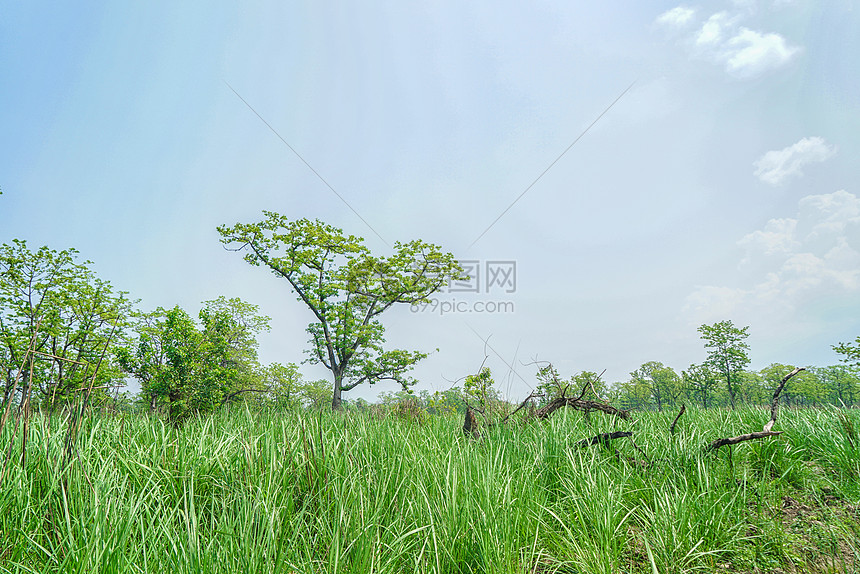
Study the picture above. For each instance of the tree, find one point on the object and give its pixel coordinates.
(804, 389)
(592, 381)
(315, 394)
(476, 387)
(59, 324)
(752, 389)
(230, 328)
(842, 383)
(727, 352)
(850, 352)
(634, 394)
(662, 382)
(480, 390)
(551, 386)
(283, 384)
(192, 369)
(701, 380)
(346, 289)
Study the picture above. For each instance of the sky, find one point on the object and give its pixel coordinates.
(614, 173)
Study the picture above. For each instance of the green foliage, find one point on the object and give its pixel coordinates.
(842, 383)
(595, 387)
(283, 384)
(804, 389)
(476, 387)
(850, 352)
(444, 402)
(700, 381)
(727, 352)
(286, 388)
(191, 369)
(315, 395)
(551, 385)
(346, 289)
(57, 322)
(660, 384)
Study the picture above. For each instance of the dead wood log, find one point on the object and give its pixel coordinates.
(603, 438)
(741, 438)
(774, 405)
(674, 422)
(580, 405)
(766, 431)
(470, 425)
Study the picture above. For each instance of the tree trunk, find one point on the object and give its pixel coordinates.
(336, 394)
(729, 386)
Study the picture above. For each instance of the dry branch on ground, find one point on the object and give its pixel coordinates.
(766, 431)
(580, 405)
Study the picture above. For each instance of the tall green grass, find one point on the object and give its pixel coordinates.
(345, 492)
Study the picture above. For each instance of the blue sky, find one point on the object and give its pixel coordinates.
(722, 185)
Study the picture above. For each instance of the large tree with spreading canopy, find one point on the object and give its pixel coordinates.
(346, 289)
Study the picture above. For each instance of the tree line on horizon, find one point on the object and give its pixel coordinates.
(66, 335)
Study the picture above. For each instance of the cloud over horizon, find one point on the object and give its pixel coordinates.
(814, 257)
(775, 167)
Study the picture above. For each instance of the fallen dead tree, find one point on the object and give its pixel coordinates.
(579, 404)
(471, 426)
(741, 438)
(766, 431)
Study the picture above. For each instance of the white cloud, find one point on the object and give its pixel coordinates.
(745, 53)
(714, 29)
(777, 237)
(750, 53)
(794, 263)
(777, 166)
(676, 17)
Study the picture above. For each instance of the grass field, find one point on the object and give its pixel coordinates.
(346, 492)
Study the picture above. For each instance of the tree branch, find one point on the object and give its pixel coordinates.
(766, 432)
(674, 422)
(774, 406)
(741, 438)
(581, 405)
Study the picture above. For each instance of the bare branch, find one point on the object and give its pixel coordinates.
(585, 406)
(522, 406)
(741, 438)
(674, 422)
(774, 406)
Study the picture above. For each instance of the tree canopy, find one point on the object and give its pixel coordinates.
(195, 369)
(850, 352)
(346, 289)
(727, 352)
(58, 321)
